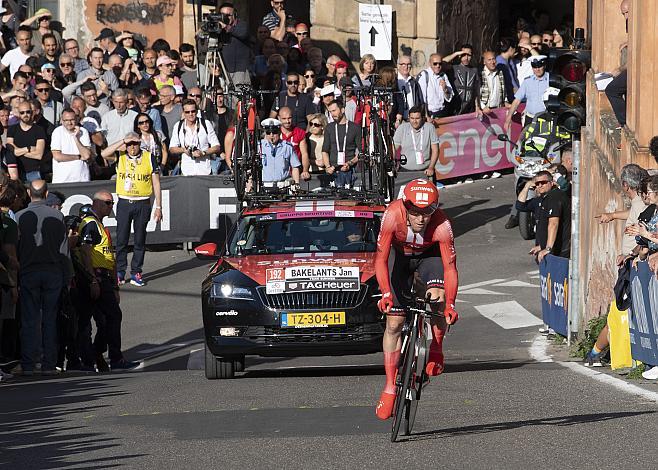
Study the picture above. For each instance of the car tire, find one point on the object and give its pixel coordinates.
(238, 364)
(211, 365)
(225, 368)
(219, 368)
(527, 225)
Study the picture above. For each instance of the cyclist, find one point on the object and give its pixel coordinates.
(422, 240)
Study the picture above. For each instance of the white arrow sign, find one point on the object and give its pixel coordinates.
(376, 30)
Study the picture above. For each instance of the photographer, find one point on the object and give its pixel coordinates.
(236, 52)
(195, 140)
(98, 289)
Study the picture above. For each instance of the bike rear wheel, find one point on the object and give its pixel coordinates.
(405, 376)
(379, 165)
(240, 150)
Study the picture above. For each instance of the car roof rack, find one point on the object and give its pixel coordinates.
(276, 195)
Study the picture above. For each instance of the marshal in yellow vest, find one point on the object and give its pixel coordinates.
(134, 175)
(102, 255)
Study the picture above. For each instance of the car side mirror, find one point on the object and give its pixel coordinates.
(207, 251)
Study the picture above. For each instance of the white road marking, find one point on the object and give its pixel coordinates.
(480, 284)
(515, 283)
(164, 347)
(479, 291)
(538, 349)
(538, 353)
(536, 271)
(196, 360)
(508, 315)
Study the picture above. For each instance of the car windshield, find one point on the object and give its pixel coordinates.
(262, 235)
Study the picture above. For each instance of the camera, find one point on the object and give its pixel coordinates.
(72, 222)
(212, 29)
(191, 149)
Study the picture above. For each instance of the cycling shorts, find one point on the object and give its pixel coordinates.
(428, 266)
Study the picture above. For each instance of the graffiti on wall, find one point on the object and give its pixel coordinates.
(473, 21)
(135, 11)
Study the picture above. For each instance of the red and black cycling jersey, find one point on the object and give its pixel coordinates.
(395, 232)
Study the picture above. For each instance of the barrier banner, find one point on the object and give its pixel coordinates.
(469, 146)
(194, 208)
(554, 284)
(643, 315)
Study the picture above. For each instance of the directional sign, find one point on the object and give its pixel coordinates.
(376, 30)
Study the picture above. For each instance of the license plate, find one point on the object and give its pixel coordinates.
(312, 320)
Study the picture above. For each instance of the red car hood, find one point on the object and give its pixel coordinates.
(254, 266)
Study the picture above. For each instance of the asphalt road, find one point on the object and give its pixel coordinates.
(494, 407)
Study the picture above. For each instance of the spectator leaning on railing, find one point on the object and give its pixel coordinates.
(632, 176)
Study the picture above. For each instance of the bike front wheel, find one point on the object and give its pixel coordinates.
(403, 385)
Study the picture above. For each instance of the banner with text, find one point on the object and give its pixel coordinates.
(643, 315)
(469, 146)
(194, 208)
(554, 285)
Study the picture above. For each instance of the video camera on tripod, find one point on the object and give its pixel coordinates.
(213, 29)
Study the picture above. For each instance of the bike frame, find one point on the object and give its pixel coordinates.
(247, 151)
(377, 169)
(416, 339)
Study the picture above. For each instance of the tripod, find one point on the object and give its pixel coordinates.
(210, 81)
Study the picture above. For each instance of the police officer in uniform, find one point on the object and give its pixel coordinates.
(279, 160)
(100, 296)
(138, 178)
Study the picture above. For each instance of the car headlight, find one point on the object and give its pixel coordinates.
(227, 291)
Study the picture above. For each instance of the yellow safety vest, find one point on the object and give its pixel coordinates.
(542, 127)
(102, 255)
(134, 175)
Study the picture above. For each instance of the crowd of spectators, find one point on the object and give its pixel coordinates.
(105, 90)
(119, 109)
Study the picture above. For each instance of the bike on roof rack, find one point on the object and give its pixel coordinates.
(245, 161)
(379, 168)
(363, 197)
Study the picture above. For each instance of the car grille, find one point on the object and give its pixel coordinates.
(276, 334)
(313, 300)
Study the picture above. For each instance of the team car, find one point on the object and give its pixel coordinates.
(295, 278)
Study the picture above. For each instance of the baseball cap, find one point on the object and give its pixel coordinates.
(48, 65)
(165, 59)
(53, 200)
(132, 137)
(341, 64)
(91, 125)
(41, 12)
(105, 33)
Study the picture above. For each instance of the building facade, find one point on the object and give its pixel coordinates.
(606, 149)
(421, 26)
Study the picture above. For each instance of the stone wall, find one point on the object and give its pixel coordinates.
(147, 19)
(474, 22)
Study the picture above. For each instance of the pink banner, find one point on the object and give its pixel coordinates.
(470, 146)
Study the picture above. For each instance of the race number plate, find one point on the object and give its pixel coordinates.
(312, 320)
(312, 278)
